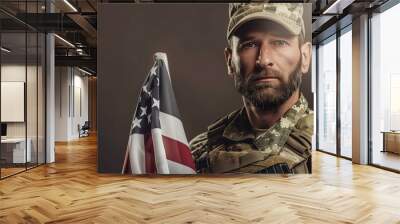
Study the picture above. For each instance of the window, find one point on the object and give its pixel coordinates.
(385, 88)
(346, 92)
(326, 98)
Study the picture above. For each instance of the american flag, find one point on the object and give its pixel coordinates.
(157, 141)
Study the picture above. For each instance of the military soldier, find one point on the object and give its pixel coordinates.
(266, 56)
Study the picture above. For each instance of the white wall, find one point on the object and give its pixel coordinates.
(80, 112)
(71, 102)
(62, 81)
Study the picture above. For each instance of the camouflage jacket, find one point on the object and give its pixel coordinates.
(231, 145)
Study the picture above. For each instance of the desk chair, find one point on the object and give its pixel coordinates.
(84, 130)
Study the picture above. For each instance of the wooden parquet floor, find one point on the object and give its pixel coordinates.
(71, 191)
(10, 171)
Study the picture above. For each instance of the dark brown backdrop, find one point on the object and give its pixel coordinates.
(193, 36)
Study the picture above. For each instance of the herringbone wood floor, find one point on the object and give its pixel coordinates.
(71, 191)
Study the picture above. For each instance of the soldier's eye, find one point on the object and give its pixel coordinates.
(248, 45)
(280, 43)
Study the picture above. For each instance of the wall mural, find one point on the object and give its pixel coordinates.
(269, 125)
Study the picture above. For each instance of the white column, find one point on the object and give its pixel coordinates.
(360, 90)
(50, 100)
(50, 93)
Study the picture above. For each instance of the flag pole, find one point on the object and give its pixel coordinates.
(126, 156)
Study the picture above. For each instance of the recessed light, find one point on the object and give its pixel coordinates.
(5, 50)
(64, 40)
(84, 71)
(70, 5)
(337, 7)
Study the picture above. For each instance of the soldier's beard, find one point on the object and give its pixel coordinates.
(266, 96)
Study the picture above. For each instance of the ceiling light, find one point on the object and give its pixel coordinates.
(5, 50)
(333, 6)
(79, 51)
(70, 5)
(338, 6)
(65, 41)
(84, 71)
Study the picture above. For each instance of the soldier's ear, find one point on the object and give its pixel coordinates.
(306, 51)
(228, 60)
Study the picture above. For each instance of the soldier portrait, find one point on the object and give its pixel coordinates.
(266, 56)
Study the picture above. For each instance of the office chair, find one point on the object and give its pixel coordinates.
(84, 130)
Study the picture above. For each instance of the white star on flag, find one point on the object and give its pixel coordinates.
(149, 118)
(136, 123)
(156, 103)
(145, 90)
(153, 70)
(144, 109)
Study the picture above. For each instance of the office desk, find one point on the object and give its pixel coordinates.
(13, 150)
(391, 141)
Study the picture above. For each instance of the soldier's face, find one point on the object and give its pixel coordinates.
(266, 63)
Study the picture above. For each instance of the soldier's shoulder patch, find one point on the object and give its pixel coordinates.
(306, 123)
(223, 121)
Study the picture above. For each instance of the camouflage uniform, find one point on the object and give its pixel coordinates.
(232, 145)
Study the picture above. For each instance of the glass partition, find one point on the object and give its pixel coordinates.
(13, 94)
(22, 88)
(31, 100)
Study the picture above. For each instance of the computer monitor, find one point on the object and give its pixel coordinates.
(3, 129)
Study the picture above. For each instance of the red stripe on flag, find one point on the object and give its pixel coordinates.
(178, 152)
(149, 154)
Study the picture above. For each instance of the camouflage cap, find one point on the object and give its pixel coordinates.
(289, 15)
